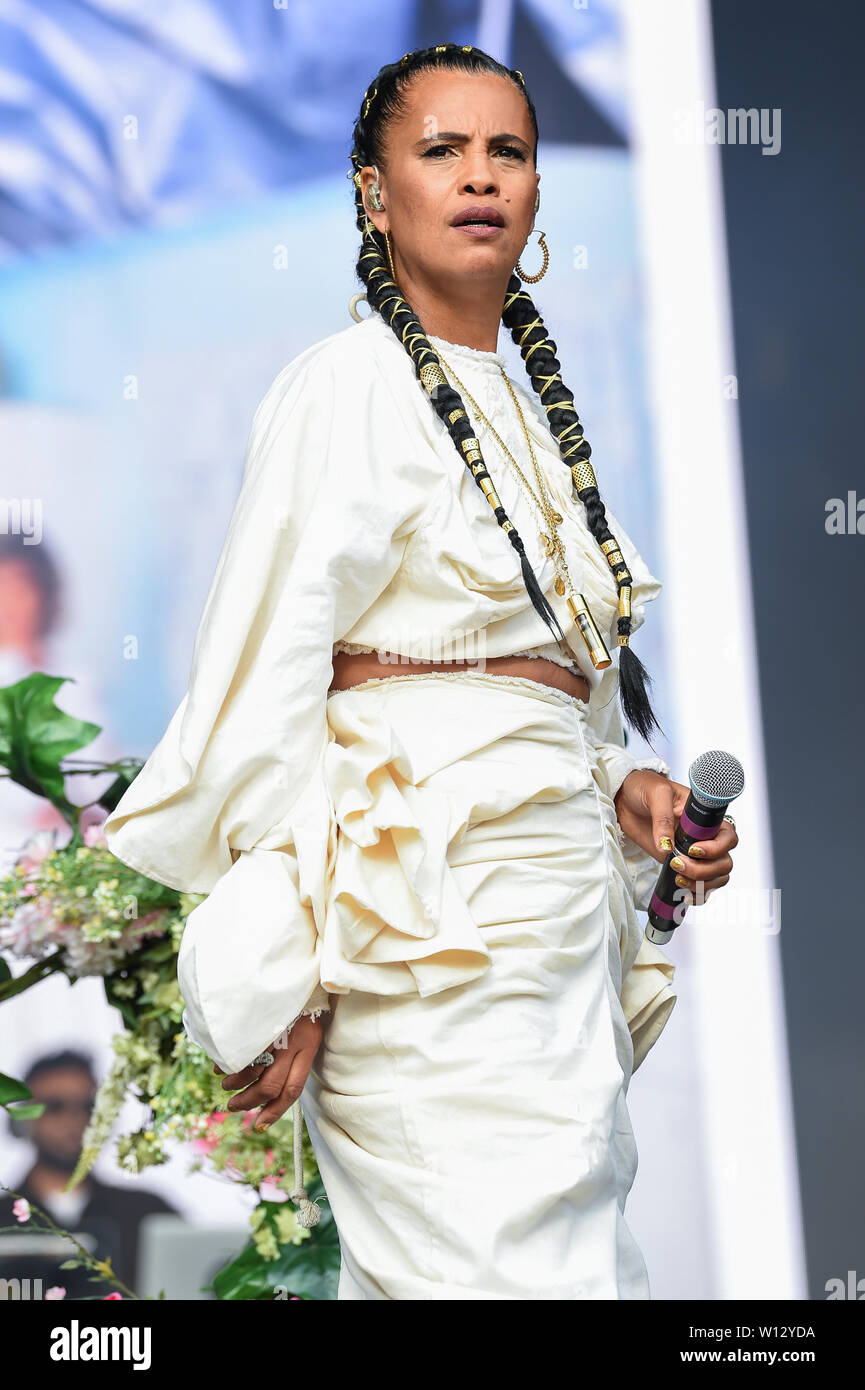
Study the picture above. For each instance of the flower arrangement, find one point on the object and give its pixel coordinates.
(74, 908)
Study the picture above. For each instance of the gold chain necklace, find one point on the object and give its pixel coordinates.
(551, 518)
(553, 546)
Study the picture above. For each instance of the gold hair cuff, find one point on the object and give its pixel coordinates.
(488, 488)
(583, 475)
(432, 377)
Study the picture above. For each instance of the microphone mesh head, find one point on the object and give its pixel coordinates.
(716, 776)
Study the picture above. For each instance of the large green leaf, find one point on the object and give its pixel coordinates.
(310, 1270)
(35, 735)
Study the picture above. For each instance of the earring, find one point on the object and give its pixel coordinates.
(533, 279)
(537, 199)
(352, 306)
(374, 193)
(390, 256)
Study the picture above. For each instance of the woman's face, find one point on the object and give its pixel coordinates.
(464, 141)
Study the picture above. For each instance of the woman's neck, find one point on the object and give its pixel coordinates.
(470, 320)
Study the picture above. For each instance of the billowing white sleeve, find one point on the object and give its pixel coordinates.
(233, 801)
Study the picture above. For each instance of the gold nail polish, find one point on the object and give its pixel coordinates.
(665, 843)
(697, 852)
(682, 882)
(259, 1129)
(676, 863)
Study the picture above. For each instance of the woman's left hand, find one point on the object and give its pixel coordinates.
(648, 807)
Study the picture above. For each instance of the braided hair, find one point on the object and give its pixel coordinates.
(382, 100)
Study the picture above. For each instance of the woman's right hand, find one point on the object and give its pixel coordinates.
(277, 1087)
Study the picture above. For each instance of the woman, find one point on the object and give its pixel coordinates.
(398, 771)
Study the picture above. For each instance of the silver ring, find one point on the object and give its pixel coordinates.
(264, 1059)
(730, 820)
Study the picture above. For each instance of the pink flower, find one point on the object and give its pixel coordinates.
(21, 1209)
(269, 1192)
(109, 1296)
(94, 837)
(213, 1125)
(204, 1146)
(56, 1291)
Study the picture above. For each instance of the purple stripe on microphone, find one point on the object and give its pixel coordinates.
(663, 909)
(697, 832)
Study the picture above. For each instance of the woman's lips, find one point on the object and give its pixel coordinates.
(479, 229)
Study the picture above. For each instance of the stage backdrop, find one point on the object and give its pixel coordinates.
(175, 225)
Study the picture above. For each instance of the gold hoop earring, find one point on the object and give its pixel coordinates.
(533, 279)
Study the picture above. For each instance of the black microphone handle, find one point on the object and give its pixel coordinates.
(666, 908)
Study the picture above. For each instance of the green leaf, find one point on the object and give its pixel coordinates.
(5, 972)
(10, 1089)
(35, 735)
(161, 951)
(310, 1270)
(71, 1264)
(26, 1112)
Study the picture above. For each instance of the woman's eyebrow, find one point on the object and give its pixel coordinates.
(454, 136)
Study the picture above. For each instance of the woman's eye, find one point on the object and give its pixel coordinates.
(502, 149)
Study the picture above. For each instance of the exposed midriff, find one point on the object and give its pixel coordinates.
(357, 665)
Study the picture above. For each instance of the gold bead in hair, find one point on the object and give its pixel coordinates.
(432, 376)
(584, 475)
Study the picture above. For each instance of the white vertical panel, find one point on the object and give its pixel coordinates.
(749, 1138)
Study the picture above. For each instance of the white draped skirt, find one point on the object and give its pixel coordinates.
(471, 1126)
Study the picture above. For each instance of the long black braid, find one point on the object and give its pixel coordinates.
(382, 99)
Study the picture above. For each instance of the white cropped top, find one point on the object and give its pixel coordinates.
(357, 525)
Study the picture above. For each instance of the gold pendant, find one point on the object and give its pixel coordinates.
(560, 586)
(559, 518)
(548, 544)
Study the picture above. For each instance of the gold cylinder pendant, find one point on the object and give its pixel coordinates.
(595, 644)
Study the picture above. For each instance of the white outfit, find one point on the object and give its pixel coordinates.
(433, 856)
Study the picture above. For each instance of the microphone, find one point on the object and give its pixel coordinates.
(716, 779)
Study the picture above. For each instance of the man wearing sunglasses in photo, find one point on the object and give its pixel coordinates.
(111, 1216)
